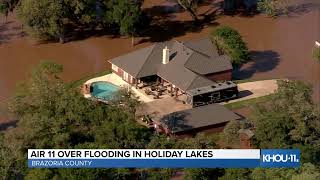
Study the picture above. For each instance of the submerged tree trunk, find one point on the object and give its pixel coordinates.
(132, 40)
(190, 6)
(194, 16)
(61, 39)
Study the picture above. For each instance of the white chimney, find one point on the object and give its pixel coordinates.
(165, 55)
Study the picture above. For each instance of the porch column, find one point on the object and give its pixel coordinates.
(176, 92)
(136, 83)
(171, 89)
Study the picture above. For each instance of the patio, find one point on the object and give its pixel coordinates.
(157, 90)
(147, 92)
(155, 110)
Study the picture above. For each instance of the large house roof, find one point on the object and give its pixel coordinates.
(175, 71)
(198, 117)
(188, 62)
(133, 62)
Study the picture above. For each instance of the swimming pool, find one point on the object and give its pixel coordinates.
(103, 90)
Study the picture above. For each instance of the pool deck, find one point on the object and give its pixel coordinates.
(116, 80)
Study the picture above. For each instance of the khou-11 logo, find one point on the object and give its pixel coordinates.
(280, 158)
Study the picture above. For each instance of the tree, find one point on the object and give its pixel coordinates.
(316, 53)
(4, 8)
(125, 98)
(230, 134)
(204, 174)
(191, 7)
(273, 8)
(54, 116)
(291, 121)
(81, 12)
(308, 171)
(229, 42)
(44, 19)
(126, 14)
(239, 174)
(7, 6)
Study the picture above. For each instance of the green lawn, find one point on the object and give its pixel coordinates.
(79, 82)
(249, 102)
(239, 81)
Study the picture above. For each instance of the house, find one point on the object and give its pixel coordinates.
(194, 68)
(188, 122)
(186, 65)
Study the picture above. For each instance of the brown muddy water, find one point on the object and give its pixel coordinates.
(281, 48)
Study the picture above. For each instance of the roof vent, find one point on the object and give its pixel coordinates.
(165, 55)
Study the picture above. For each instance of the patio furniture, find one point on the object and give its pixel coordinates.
(153, 88)
(140, 86)
(156, 96)
(148, 91)
(162, 89)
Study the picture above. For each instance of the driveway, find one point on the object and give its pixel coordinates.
(255, 89)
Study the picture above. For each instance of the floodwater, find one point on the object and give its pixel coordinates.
(281, 48)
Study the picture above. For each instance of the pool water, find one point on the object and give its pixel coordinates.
(103, 90)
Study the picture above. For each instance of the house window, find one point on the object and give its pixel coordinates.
(114, 67)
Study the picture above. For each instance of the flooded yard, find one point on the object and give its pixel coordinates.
(280, 48)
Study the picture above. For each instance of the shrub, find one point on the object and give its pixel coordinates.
(316, 53)
(273, 8)
(229, 41)
(268, 7)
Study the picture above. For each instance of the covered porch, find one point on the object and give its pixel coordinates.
(159, 88)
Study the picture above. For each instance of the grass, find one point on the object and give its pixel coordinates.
(79, 82)
(239, 81)
(249, 102)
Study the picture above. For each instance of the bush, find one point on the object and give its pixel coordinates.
(273, 8)
(230, 134)
(3, 8)
(316, 53)
(268, 7)
(229, 41)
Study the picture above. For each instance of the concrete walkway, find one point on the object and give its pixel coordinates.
(247, 90)
(255, 89)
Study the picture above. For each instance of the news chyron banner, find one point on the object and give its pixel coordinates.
(163, 158)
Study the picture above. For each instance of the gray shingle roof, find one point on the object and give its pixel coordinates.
(154, 60)
(174, 71)
(188, 62)
(208, 65)
(204, 45)
(133, 62)
(198, 117)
